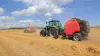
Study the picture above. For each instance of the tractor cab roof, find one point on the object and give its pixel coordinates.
(54, 21)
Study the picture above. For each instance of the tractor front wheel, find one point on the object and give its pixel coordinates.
(25, 31)
(77, 37)
(54, 33)
(42, 33)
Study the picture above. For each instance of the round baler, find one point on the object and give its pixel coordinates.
(76, 29)
(29, 30)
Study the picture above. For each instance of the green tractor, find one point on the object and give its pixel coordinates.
(53, 28)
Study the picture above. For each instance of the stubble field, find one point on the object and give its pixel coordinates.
(18, 43)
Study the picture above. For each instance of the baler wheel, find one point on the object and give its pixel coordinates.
(77, 37)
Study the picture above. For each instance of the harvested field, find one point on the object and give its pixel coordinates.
(18, 43)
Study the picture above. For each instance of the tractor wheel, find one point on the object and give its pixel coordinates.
(25, 31)
(47, 33)
(64, 36)
(42, 33)
(77, 37)
(54, 33)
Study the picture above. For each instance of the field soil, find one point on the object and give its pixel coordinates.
(18, 43)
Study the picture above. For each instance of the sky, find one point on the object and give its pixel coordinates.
(22, 13)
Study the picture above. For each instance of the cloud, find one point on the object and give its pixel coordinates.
(54, 12)
(25, 12)
(34, 2)
(5, 21)
(1, 10)
(46, 7)
(28, 23)
(33, 23)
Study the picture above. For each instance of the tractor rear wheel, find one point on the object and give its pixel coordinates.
(77, 37)
(54, 33)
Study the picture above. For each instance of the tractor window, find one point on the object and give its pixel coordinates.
(59, 24)
(55, 23)
(50, 23)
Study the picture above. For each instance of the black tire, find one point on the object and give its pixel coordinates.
(25, 31)
(77, 37)
(63, 34)
(47, 33)
(54, 33)
(42, 33)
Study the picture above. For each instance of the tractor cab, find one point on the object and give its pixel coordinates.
(54, 23)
